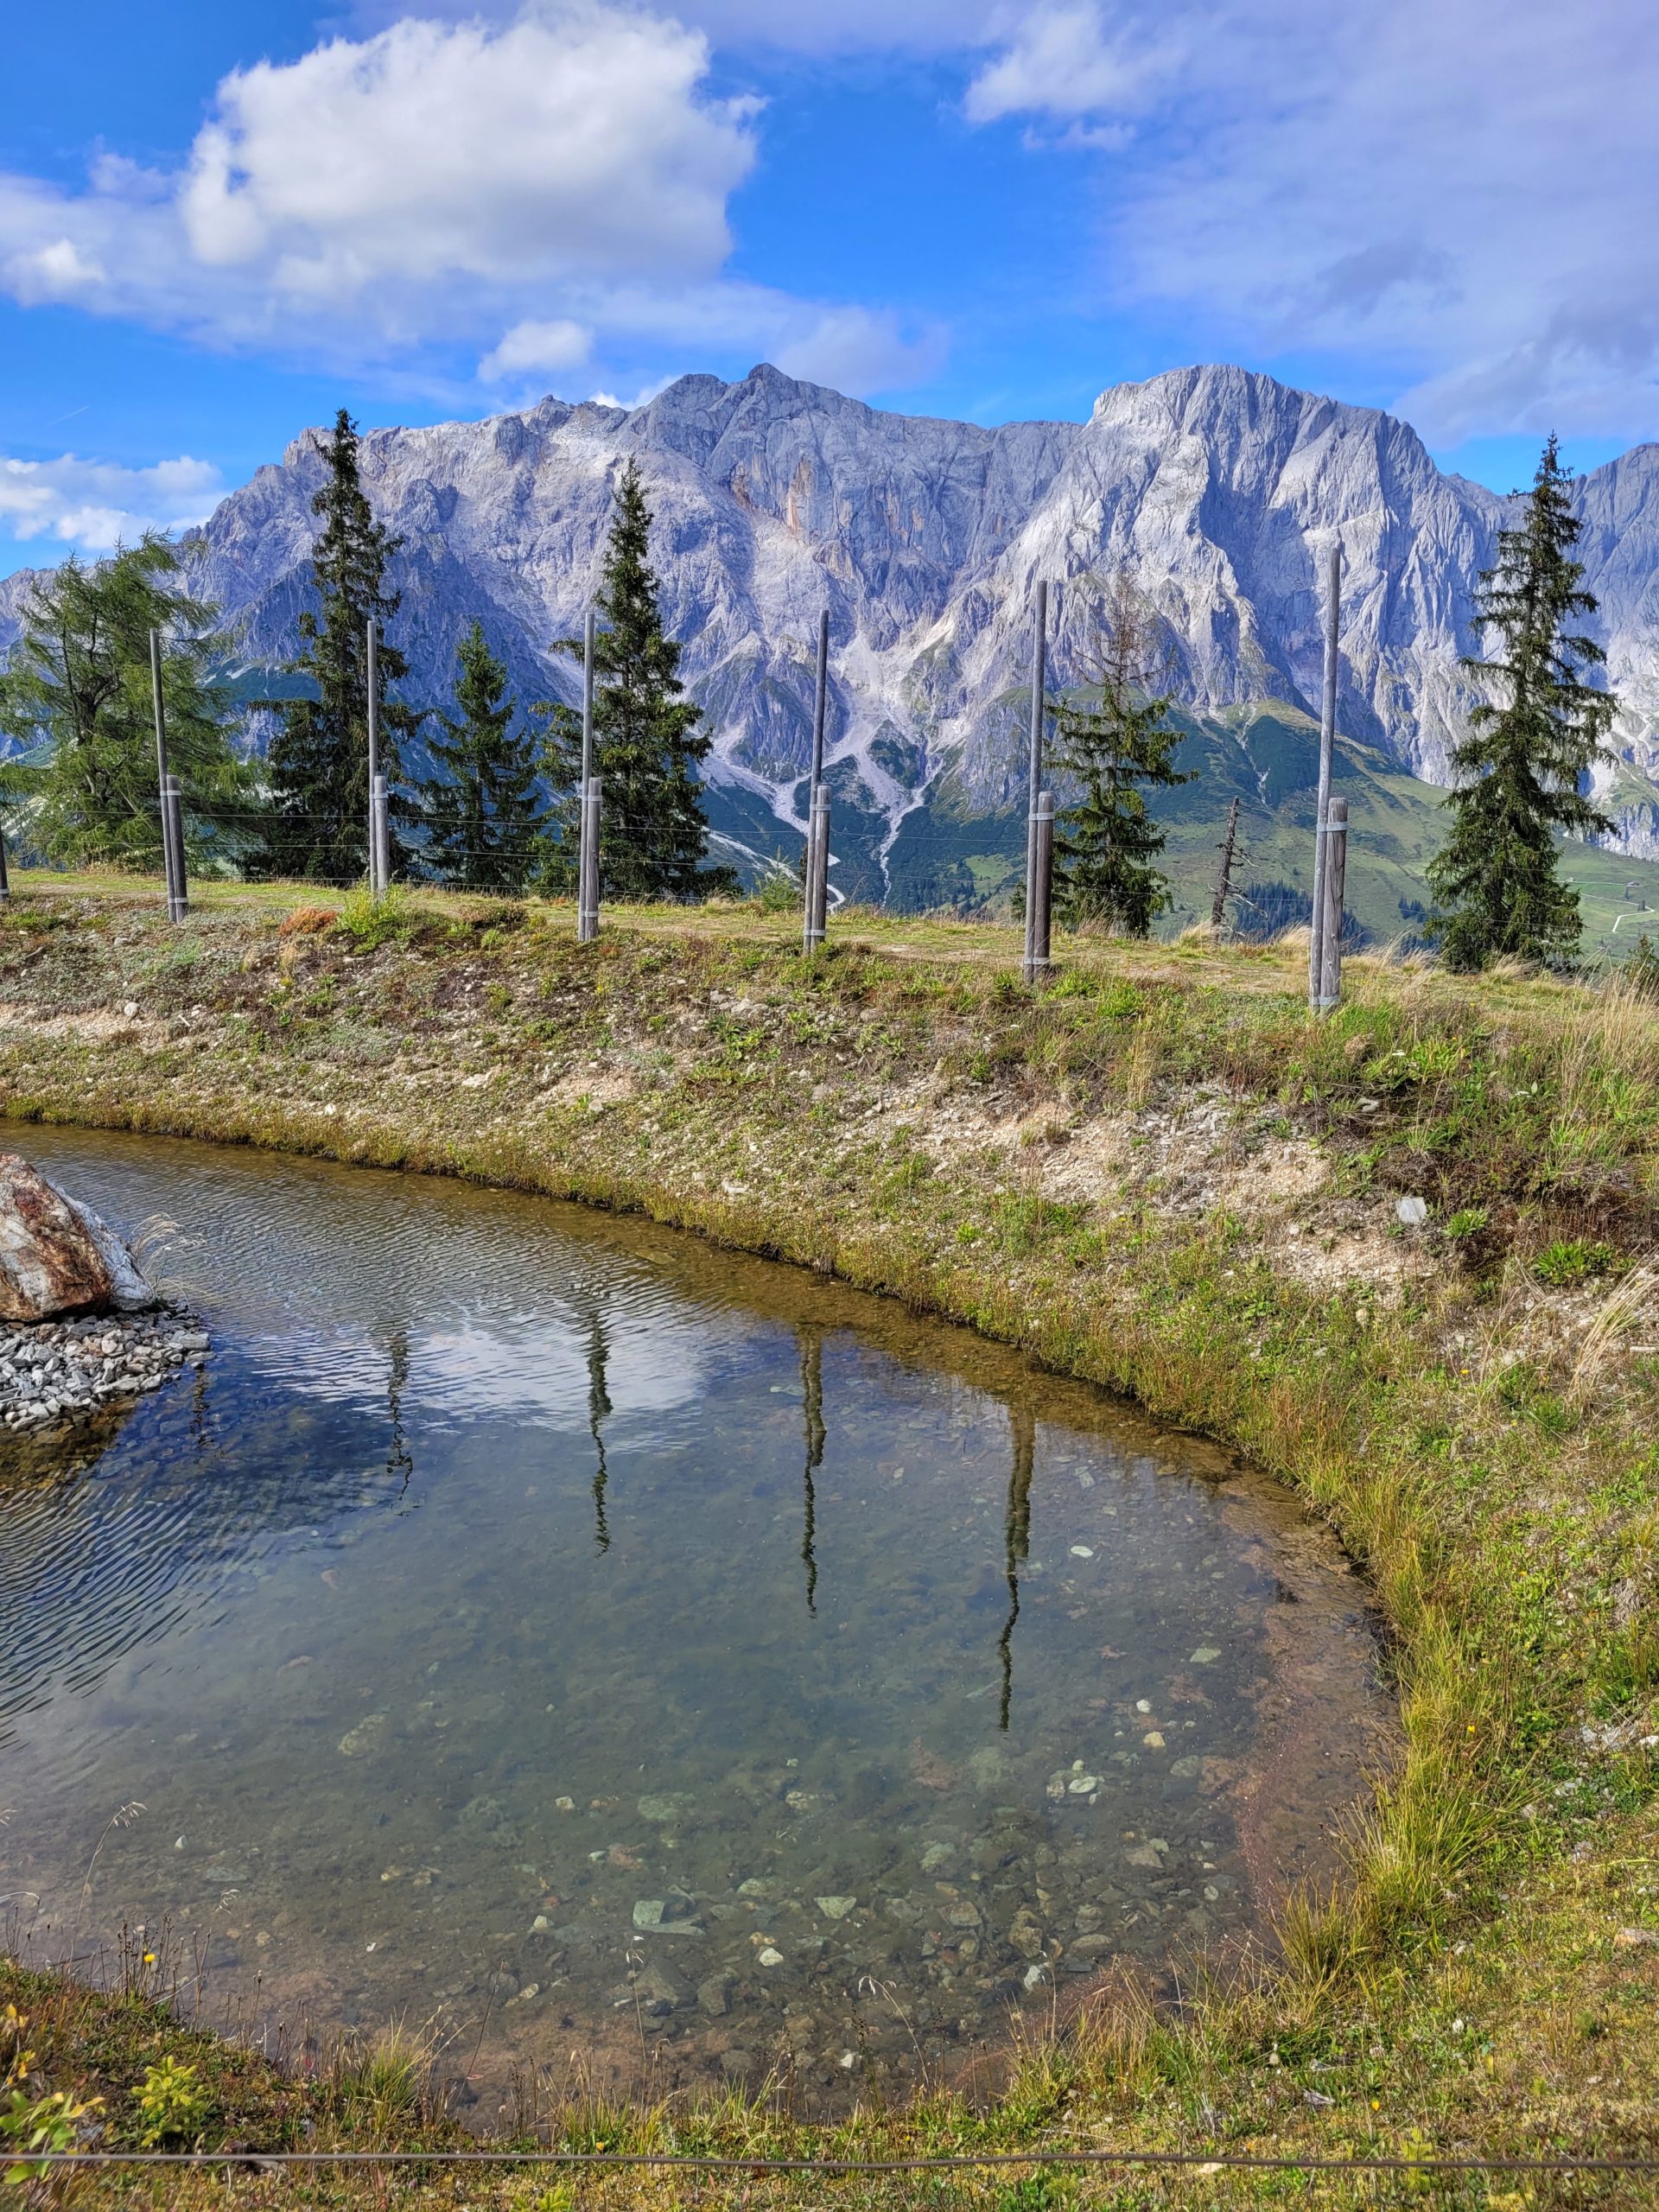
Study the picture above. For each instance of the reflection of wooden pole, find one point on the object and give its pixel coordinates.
(1335, 871)
(1328, 746)
(599, 1405)
(812, 1400)
(1225, 880)
(1036, 963)
(1016, 1539)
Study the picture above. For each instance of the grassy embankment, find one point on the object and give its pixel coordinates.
(1158, 1174)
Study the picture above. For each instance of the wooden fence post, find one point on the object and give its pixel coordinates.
(1037, 960)
(1336, 870)
(1328, 746)
(172, 853)
(588, 864)
(817, 870)
(816, 900)
(178, 899)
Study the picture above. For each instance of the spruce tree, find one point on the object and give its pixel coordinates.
(77, 695)
(482, 808)
(1519, 768)
(1106, 843)
(648, 744)
(319, 761)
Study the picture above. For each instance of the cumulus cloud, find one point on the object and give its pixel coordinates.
(91, 505)
(1454, 190)
(393, 182)
(522, 182)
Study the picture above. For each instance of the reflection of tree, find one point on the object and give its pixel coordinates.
(599, 1406)
(1016, 1538)
(812, 1398)
(399, 1461)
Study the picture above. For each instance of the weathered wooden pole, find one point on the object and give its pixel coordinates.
(1328, 746)
(178, 898)
(172, 862)
(1335, 871)
(818, 871)
(1225, 878)
(376, 878)
(379, 835)
(1036, 894)
(588, 801)
(1039, 897)
(587, 863)
(815, 883)
(5, 880)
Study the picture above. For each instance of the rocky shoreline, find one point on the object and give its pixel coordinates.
(67, 1370)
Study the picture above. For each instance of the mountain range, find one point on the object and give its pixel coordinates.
(1216, 489)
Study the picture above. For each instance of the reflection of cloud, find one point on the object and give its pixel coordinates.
(533, 1373)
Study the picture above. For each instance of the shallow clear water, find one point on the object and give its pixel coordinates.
(546, 1624)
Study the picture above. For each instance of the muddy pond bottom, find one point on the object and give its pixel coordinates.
(635, 1660)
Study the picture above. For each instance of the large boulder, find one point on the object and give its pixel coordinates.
(56, 1256)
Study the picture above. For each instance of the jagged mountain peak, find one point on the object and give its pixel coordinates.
(1218, 487)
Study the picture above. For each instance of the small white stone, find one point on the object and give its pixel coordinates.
(1412, 1212)
(1082, 1551)
(771, 1958)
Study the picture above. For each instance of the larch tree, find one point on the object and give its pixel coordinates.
(76, 696)
(482, 807)
(318, 761)
(648, 744)
(1116, 750)
(1520, 767)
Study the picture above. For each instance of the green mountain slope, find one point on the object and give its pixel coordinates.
(1267, 757)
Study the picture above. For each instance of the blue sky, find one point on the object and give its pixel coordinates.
(217, 224)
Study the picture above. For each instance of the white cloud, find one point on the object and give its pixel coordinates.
(567, 142)
(391, 188)
(531, 185)
(1454, 191)
(541, 348)
(1065, 61)
(93, 505)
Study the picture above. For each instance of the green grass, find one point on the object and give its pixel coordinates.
(1109, 1174)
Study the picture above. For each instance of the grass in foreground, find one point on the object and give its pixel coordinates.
(1158, 1175)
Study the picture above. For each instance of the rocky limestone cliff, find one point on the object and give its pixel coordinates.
(1219, 488)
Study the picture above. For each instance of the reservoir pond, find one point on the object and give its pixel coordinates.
(631, 1658)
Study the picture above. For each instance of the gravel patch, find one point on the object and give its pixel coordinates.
(65, 1371)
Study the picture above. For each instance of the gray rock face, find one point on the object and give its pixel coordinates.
(1217, 488)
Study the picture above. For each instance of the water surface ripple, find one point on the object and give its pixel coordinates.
(539, 1622)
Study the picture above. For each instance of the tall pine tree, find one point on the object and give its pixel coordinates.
(648, 744)
(77, 694)
(319, 761)
(1518, 770)
(482, 808)
(1107, 844)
